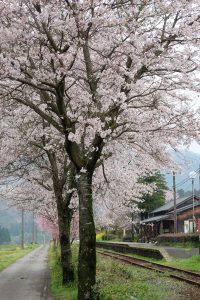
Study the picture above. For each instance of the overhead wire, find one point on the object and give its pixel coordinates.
(186, 179)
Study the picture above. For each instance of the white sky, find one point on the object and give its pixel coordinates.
(195, 147)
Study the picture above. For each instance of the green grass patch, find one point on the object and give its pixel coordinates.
(192, 263)
(10, 253)
(67, 292)
(116, 281)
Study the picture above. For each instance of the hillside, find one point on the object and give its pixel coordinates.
(10, 218)
(189, 161)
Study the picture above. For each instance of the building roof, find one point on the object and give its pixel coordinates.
(187, 207)
(170, 216)
(170, 205)
(155, 219)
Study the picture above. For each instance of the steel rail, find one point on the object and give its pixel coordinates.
(180, 274)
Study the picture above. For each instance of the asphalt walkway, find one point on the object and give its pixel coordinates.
(27, 278)
(181, 252)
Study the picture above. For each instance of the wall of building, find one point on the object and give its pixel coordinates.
(186, 215)
(189, 213)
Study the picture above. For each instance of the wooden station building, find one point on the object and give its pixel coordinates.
(161, 220)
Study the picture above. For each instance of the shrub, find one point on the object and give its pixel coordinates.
(109, 237)
(127, 239)
(100, 235)
(182, 238)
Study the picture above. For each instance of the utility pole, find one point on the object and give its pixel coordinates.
(33, 228)
(36, 232)
(44, 238)
(22, 229)
(193, 175)
(199, 180)
(174, 193)
(193, 216)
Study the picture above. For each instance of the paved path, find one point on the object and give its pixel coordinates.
(27, 278)
(181, 252)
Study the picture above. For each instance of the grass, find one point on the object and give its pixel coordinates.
(116, 281)
(67, 292)
(192, 263)
(10, 253)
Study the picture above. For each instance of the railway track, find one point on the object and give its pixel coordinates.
(183, 275)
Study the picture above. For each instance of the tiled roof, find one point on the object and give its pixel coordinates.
(169, 216)
(187, 207)
(170, 205)
(155, 219)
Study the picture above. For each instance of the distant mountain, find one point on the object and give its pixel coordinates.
(188, 161)
(8, 215)
(10, 218)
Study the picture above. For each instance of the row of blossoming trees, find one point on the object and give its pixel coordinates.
(93, 94)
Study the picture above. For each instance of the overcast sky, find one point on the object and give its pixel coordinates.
(194, 147)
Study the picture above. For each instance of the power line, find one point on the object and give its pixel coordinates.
(186, 179)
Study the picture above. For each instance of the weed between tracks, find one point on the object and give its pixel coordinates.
(190, 264)
(116, 281)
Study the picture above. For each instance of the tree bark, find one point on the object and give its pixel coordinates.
(64, 220)
(54, 244)
(87, 248)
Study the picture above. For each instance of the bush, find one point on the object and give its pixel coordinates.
(100, 235)
(109, 237)
(127, 239)
(180, 238)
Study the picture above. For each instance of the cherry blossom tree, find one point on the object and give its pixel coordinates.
(118, 188)
(43, 179)
(48, 225)
(47, 220)
(102, 73)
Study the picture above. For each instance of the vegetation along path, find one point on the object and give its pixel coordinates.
(27, 278)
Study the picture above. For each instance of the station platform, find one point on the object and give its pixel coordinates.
(168, 252)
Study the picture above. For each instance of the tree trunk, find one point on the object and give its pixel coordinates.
(64, 220)
(87, 249)
(54, 244)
